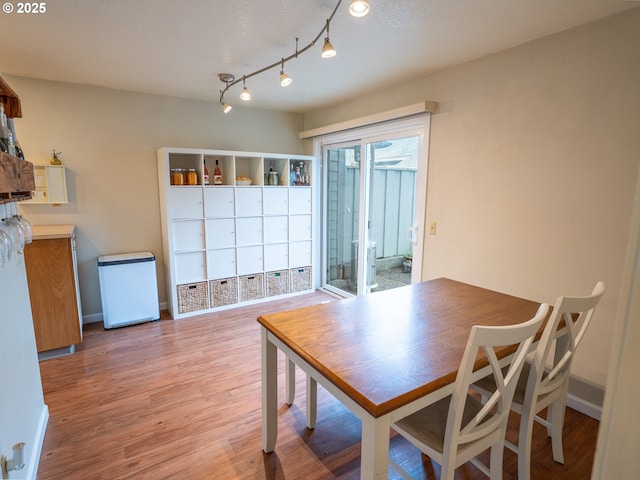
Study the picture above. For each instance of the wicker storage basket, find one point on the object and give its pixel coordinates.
(251, 287)
(300, 279)
(223, 291)
(277, 283)
(192, 297)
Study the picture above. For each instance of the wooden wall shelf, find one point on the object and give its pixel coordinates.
(16, 179)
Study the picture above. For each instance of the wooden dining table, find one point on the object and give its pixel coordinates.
(383, 355)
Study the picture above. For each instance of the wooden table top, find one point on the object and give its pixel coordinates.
(389, 348)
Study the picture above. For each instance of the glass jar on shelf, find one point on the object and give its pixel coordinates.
(178, 176)
(192, 177)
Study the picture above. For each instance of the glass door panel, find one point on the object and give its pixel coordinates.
(392, 166)
(342, 218)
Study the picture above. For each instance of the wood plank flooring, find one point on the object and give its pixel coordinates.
(181, 400)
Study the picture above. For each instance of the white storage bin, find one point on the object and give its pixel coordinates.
(128, 289)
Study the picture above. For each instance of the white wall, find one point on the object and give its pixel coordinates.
(23, 414)
(108, 140)
(533, 160)
(619, 435)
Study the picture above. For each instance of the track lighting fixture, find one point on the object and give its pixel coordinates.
(357, 8)
(328, 49)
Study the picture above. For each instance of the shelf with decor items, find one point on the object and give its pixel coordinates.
(248, 239)
(16, 179)
(50, 185)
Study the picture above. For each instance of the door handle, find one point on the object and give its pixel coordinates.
(411, 233)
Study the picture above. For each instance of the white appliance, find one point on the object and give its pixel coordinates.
(128, 288)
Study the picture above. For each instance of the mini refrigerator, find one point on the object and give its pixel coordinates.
(128, 289)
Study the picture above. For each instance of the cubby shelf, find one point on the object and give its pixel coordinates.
(232, 243)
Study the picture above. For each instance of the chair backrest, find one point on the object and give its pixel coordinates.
(549, 373)
(494, 414)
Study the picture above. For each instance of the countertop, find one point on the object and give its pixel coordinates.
(47, 232)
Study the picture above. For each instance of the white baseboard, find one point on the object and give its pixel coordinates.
(582, 406)
(97, 317)
(92, 318)
(30, 471)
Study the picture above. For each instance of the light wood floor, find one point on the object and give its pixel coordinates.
(181, 400)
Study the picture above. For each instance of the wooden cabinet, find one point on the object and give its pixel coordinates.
(236, 241)
(52, 275)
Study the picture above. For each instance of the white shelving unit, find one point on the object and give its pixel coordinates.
(229, 244)
(51, 185)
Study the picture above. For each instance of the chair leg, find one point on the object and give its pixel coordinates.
(555, 415)
(497, 452)
(448, 467)
(524, 445)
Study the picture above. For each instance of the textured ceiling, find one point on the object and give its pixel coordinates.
(178, 48)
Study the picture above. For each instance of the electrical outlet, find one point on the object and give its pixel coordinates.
(432, 228)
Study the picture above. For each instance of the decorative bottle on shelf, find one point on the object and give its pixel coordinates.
(217, 175)
(19, 152)
(298, 177)
(6, 137)
(273, 176)
(292, 175)
(205, 174)
(305, 175)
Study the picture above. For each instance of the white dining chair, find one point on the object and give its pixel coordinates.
(457, 428)
(544, 381)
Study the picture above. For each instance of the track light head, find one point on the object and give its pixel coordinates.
(226, 108)
(328, 50)
(285, 80)
(359, 8)
(245, 95)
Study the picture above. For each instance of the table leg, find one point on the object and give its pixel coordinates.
(290, 380)
(312, 402)
(374, 459)
(269, 355)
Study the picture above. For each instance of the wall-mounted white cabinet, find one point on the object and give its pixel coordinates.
(51, 184)
(247, 239)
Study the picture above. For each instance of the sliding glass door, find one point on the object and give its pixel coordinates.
(374, 211)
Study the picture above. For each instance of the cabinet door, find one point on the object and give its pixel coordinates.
(221, 233)
(299, 228)
(248, 201)
(276, 257)
(186, 202)
(188, 235)
(52, 287)
(276, 201)
(221, 263)
(218, 202)
(250, 260)
(190, 267)
(276, 229)
(299, 200)
(248, 231)
(299, 254)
